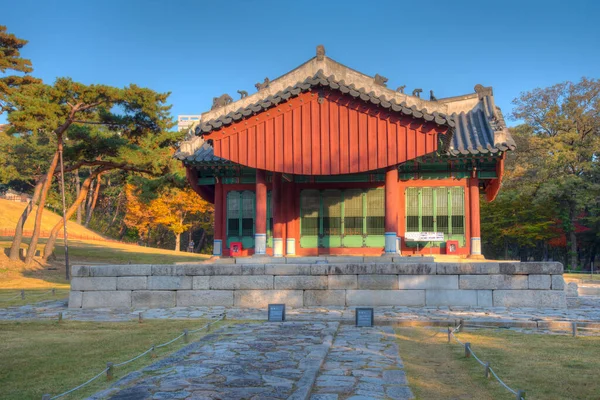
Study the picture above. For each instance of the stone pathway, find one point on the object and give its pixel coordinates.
(363, 363)
(257, 361)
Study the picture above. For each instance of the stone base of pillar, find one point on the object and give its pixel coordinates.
(277, 247)
(290, 247)
(398, 245)
(391, 243)
(217, 248)
(260, 244)
(476, 248)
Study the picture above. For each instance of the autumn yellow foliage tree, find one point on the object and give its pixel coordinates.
(177, 210)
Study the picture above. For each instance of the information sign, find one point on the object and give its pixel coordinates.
(276, 312)
(424, 236)
(364, 317)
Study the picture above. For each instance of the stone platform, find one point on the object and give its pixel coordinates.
(320, 281)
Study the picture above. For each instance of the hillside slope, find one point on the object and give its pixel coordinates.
(10, 211)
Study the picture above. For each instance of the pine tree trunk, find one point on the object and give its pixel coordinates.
(572, 248)
(16, 244)
(40, 211)
(178, 242)
(78, 188)
(94, 200)
(49, 248)
(123, 231)
(201, 242)
(114, 218)
(88, 201)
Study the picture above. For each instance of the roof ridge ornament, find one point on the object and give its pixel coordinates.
(265, 84)
(380, 80)
(431, 96)
(400, 89)
(483, 91)
(417, 92)
(320, 52)
(221, 101)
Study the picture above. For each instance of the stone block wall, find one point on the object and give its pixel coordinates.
(303, 284)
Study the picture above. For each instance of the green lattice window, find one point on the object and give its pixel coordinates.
(353, 212)
(332, 212)
(240, 218)
(233, 214)
(440, 209)
(375, 212)
(309, 212)
(458, 210)
(342, 218)
(248, 213)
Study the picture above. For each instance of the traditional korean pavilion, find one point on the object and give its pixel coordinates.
(327, 160)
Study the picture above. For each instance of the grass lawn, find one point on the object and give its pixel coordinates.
(545, 366)
(47, 357)
(12, 297)
(12, 210)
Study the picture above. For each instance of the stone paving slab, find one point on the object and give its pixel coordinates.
(362, 363)
(246, 361)
(583, 309)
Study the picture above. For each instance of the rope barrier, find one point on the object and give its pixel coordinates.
(80, 386)
(483, 364)
(150, 350)
(22, 295)
(12, 298)
(501, 381)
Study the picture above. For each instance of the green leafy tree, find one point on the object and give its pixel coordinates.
(11, 62)
(14, 71)
(562, 149)
(132, 131)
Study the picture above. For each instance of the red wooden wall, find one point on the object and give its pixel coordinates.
(331, 135)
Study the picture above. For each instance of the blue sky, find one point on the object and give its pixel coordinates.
(201, 49)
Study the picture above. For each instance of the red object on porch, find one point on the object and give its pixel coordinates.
(235, 249)
(452, 247)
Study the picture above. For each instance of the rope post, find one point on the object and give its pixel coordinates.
(186, 337)
(461, 324)
(487, 370)
(153, 352)
(46, 397)
(22, 294)
(208, 328)
(60, 317)
(109, 371)
(467, 350)
(449, 334)
(53, 291)
(520, 394)
(574, 327)
(140, 318)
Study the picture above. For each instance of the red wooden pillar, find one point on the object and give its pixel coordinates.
(260, 233)
(391, 210)
(219, 215)
(277, 215)
(474, 218)
(290, 205)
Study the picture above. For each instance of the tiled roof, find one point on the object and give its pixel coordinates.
(480, 132)
(320, 80)
(204, 154)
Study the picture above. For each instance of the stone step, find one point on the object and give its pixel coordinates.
(589, 290)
